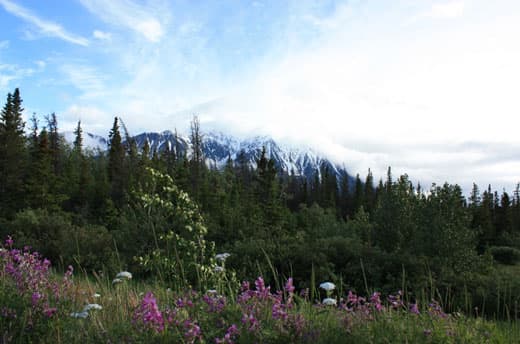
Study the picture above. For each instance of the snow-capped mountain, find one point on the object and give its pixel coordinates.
(218, 148)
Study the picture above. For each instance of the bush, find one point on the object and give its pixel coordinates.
(505, 255)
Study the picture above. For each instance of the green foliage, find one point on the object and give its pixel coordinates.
(505, 255)
(180, 253)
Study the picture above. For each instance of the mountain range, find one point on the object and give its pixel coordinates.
(218, 147)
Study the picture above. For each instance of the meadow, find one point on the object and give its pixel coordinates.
(40, 305)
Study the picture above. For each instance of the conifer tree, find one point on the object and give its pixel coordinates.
(370, 193)
(116, 157)
(358, 193)
(12, 155)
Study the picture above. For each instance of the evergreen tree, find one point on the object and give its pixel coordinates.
(197, 158)
(41, 181)
(12, 155)
(116, 157)
(370, 193)
(358, 193)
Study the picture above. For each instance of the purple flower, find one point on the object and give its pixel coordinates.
(250, 322)
(375, 300)
(50, 311)
(9, 241)
(289, 287)
(231, 333)
(193, 331)
(148, 314)
(414, 308)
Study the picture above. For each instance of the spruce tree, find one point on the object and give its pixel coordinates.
(12, 155)
(116, 156)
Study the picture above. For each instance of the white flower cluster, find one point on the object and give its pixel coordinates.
(122, 276)
(327, 286)
(85, 312)
(221, 257)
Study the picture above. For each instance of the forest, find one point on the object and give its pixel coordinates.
(143, 211)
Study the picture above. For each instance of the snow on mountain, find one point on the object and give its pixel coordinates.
(219, 147)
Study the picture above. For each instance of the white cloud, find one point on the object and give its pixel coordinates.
(93, 119)
(451, 9)
(101, 35)
(41, 64)
(405, 94)
(11, 72)
(129, 14)
(4, 44)
(45, 27)
(85, 78)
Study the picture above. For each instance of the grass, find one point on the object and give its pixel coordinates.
(39, 305)
(114, 323)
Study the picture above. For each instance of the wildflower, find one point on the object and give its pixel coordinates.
(250, 322)
(375, 300)
(117, 280)
(327, 286)
(124, 275)
(96, 295)
(36, 297)
(218, 269)
(92, 306)
(148, 314)
(414, 309)
(427, 332)
(81, 315)
(9, 241)
(221, 257)
(329, 301)
(193, 332)
(231, 333)
(50, 311)
(212, 291)
(289, 287)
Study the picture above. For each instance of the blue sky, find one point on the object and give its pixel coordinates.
(429, 87)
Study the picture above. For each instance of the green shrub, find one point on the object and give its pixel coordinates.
(505, 255)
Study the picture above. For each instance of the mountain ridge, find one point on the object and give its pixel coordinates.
(218, 147)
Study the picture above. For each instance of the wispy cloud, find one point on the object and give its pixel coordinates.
(125, 13)
(85, 78)
(101, 35)
(10, 72)
(443, 10)
(45, 27)
(4, 44)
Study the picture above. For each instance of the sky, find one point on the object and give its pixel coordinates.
(428, 87)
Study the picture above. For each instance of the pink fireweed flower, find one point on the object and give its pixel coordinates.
(396, 301)
(216, 303)
(9, 241)
(278, 311)
(231, 333)
(251, 323)
(414, 308)
(352, 298)
(148, 315)
(50, 311)
(193, 331)
(375, 300)
(36, 297)
(289, 287)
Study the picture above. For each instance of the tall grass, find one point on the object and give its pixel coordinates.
(155, 311)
